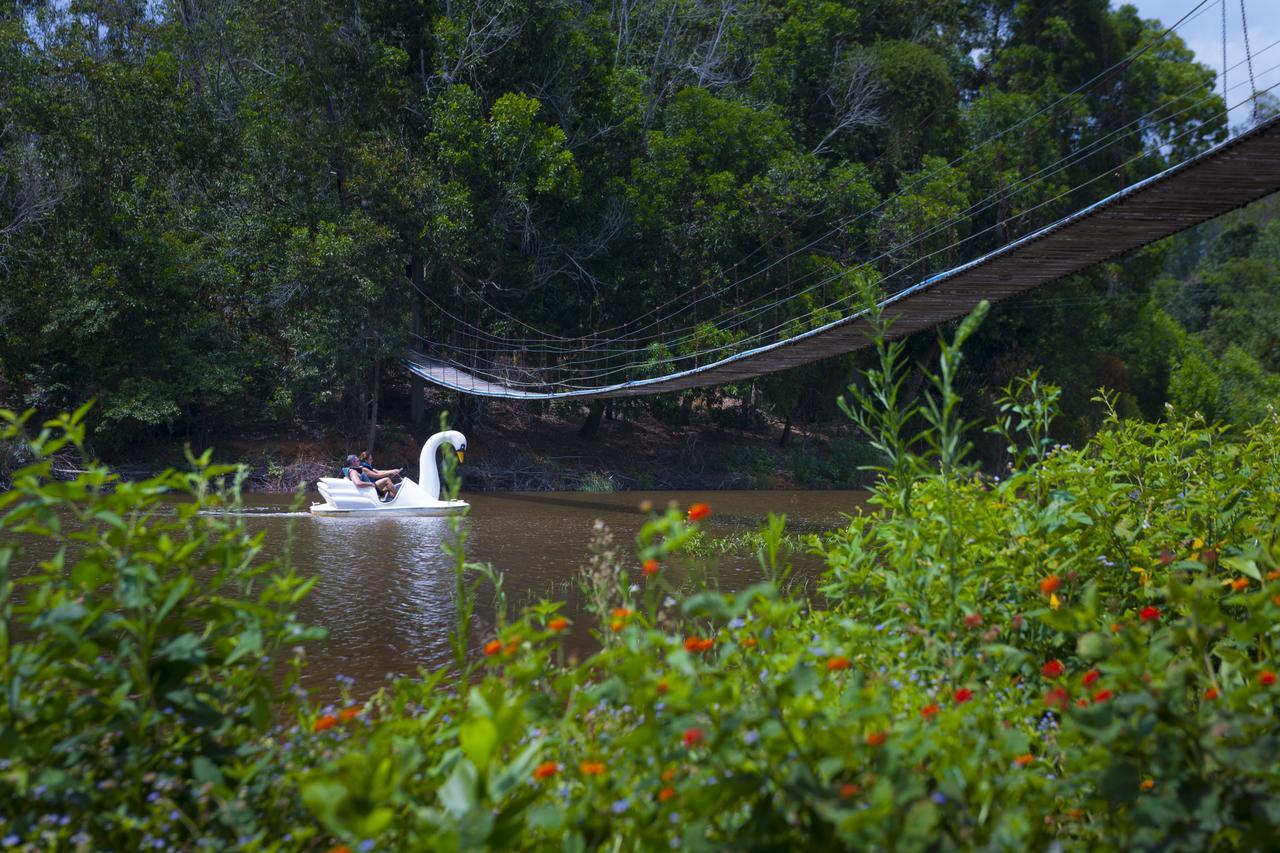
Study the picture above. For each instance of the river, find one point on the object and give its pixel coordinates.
(385, 587)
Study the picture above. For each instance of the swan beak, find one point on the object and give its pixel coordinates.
(461, 453)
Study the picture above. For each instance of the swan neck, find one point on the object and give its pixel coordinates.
(427, 468)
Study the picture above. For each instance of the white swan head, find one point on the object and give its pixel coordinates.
(427, 469)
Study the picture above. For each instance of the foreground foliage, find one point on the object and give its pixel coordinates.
(1079, 653)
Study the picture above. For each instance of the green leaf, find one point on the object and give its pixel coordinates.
(478, 737)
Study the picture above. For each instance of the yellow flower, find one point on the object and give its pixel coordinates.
(1054, 601)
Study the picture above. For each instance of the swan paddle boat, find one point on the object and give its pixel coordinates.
(343, 497)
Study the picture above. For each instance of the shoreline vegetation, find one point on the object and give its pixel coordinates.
(1079, 654)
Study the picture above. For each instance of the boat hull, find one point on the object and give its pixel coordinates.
(444, 508)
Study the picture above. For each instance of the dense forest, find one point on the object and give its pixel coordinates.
(217, 215)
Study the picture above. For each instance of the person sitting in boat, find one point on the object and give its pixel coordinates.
(366, 465)
(363, 479)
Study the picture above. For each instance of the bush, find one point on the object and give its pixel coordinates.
(1077, 655)
(142, 644)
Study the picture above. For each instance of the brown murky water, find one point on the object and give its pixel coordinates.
(385, 587)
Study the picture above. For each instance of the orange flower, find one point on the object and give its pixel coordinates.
(328, 721)
(591, 768)
(848, 791)
(877, 738)
(340, 848)
(1090, 677)
(692, 737)
(546, 770)
(651, 568)
(1211, 693)
(1267, 678)
(1116, 627)
(1147, 784)
(558, 624)
(837, 662)
(749, 642)
(1149, 614)
(617, 625)
(346, 715)
(1050, 585)
(512, 647)
(963, 695)
(696, 644)
(1053, 669)
(1240, 584)
(668, 774)
(1273, 575)
(699, 511)
(666, 794)
(622, 612)
(662, 687)
(1102, 696)
(929, 711)
(492, 647)
(1275, 599)
(1025, 760)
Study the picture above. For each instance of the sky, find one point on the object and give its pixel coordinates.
(1203, 34)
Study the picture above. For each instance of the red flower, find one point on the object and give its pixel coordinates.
(1102, 696)
(328, 721)
(1211, 693)
(1082, 703)
(973, 620)
(546, 770)
(1053, 669)
(1166, 557)
(848, 791)
(876, 738)
(1267, 678)
(1090, 677)
(340, 848)
(666, 794)
(699, 511)
(1057, 698)
(492, 647)
(651, 568)
(963, 695)
(929, 711)
(1149, 614)
(1240, 584)
(692, 737)
(1025, 759)
(837, 662)
(1050, 585)
(558, 624)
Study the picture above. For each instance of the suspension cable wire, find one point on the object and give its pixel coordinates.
(1044, 173)
(506, 380)
(1248, 54)
(1223, 82)
(1198, 9)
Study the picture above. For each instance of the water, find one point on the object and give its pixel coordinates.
(385, 587)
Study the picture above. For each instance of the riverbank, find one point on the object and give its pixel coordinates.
(511, 449)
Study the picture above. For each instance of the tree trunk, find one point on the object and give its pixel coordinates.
(591, 425)
(786, 432)
(417, 388)
(373, 412)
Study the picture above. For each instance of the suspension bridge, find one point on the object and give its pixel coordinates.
(1227, 176)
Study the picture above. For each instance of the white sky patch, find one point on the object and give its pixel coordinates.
(1203, 34)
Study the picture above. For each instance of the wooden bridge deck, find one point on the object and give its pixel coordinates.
(1228, 176)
